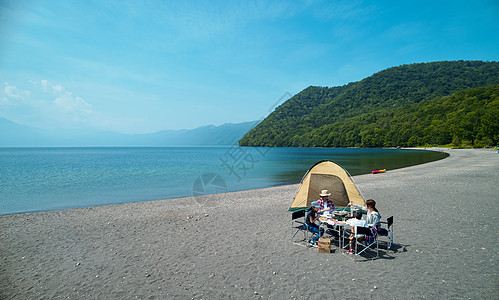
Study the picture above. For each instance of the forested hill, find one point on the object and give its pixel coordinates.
(409, 105)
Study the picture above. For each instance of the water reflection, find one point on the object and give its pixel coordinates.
(355, 161)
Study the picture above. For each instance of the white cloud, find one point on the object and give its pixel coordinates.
(47, 105)
(48, 86)
(57, 88)
(13, 92)
(67, 104)
(45, 84)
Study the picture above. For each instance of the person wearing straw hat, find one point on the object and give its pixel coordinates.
(325, 204)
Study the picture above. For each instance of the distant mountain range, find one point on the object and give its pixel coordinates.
(16, 135)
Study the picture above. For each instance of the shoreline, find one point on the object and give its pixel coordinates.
(434, 149)
(238, 246)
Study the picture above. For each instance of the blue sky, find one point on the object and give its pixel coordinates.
(145, 66)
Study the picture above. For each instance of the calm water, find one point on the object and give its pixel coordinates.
(37, 179)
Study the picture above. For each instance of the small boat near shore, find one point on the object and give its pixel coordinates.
(379, 171)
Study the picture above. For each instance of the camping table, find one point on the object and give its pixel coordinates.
(339, 227)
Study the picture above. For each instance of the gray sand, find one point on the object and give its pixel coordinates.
(445, 244)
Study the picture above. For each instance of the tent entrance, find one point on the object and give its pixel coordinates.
(332, 183)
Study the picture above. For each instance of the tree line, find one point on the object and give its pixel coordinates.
(436, 103)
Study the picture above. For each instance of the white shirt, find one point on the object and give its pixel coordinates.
(357, 223)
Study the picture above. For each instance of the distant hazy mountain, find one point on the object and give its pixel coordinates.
(16, 135)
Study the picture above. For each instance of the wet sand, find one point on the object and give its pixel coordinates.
(238, 246)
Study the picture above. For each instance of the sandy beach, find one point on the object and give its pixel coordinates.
(238, 246)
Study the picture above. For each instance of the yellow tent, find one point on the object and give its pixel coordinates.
(327, 175)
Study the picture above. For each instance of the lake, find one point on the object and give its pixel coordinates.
(40, 179)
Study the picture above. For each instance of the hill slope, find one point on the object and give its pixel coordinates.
(330, 117)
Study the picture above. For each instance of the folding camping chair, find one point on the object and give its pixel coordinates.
(364, 239)
(297, 226)
(388, 232)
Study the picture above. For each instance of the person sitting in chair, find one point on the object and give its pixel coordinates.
(326, 205)
(312, 216)
(356, 221)
(373, 215)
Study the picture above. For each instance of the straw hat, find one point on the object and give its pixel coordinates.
(324, 193)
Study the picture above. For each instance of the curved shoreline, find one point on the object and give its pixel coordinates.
(67, 200)
(238, 246)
